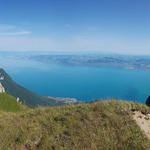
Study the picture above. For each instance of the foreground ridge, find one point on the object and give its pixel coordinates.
(100, 125)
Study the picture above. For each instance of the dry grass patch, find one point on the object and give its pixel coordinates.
(96, 126)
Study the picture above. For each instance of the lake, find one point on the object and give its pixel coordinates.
(82, 82)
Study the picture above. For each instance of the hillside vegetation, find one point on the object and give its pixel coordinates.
(9, 104)
(29, 97)
(102, 125)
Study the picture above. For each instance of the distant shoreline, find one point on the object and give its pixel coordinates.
(66, 100)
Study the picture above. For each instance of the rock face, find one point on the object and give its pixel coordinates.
(148, 101)
(2, 90)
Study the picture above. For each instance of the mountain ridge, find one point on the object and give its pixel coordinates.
(24, 94)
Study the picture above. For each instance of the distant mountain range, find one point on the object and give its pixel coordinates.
(27, 96)
(123, 61)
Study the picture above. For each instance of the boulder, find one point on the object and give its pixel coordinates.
(148, 101)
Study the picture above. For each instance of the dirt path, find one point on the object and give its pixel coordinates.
(143, 121)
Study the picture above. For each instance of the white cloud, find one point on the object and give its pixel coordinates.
(25, 43)
(15, 33)
(11, 30)
(12, 38)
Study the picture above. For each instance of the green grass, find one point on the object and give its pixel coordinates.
(103, 125)
(9, 103)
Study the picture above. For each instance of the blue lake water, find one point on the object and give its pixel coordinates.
(83, 83)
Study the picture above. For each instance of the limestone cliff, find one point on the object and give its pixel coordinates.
(2, 90)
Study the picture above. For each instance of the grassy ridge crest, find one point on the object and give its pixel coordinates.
(87, 126)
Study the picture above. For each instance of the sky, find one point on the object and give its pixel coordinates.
(109, 26)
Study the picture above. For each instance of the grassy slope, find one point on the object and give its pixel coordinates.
(102, 125)
(9, 104)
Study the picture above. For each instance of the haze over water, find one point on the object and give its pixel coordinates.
(82, 82)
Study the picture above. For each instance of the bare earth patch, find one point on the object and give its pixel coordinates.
(143, 120)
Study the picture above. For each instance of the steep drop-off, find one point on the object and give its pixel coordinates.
(27, 96)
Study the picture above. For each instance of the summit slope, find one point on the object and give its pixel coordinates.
(102, 125)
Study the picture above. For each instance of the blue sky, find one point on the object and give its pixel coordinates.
(118, 26)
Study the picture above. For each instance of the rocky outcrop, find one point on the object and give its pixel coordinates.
(2, 90)
(148, 101)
